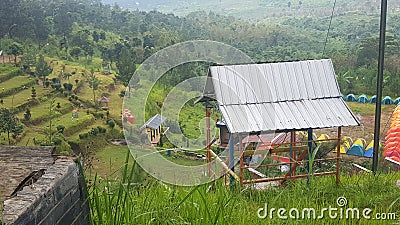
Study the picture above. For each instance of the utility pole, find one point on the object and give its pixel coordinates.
(381, 63)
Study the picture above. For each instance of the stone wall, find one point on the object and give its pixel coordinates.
(58, 197)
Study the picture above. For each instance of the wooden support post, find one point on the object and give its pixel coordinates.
(338, 155)
(292, 153)
(231, 156)
(241, 160)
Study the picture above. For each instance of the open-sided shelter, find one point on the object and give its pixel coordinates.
(276, 97)
(153, 127)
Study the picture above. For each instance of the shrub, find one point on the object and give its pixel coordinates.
(94, 131)
(83, 136)
(111, 124)
(102, 130)
(60, 128)
(98, 115)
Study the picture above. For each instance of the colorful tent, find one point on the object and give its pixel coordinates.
(356, 150)
(369, 150)
(347, 142)
(361, 142)
(397, 101)
(344, 148)
(373, 99)
(323, 137)
(387, 100)
(392, 139)
(363, 99)
(351, 98)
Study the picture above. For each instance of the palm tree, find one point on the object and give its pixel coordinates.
(344, 80)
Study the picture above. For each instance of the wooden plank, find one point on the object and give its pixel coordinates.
(286, 178)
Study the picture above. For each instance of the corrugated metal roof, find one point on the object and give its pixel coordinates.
(154, 122)
(279, 96)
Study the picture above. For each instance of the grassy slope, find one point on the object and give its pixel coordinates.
(152, 203)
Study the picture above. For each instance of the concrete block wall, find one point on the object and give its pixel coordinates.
(58, 197)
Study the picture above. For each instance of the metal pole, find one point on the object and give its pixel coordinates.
(378, 108)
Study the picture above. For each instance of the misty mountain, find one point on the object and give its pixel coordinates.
(251, 9)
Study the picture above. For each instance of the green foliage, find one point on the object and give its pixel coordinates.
(94, 83)
(126, 66)
(60, 128)
(28, 58)
(142, 200)
(42, 68)
(111, 124)
(9, 124)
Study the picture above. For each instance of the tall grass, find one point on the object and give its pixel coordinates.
(135, 198)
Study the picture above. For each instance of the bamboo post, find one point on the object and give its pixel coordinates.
(218, 159)
(241, 160)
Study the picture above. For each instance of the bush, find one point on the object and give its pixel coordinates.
(98, 115)
(63, 148)
(102, 130)
(60, 128)
(83, 136)
(94, 131)
(111, 124)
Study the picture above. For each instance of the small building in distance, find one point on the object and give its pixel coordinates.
(153, 128)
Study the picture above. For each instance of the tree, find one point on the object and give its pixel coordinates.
(9, 124)
(94, 83)
(28, 58)
(42, 68)
(126, 67)
(344, 79)
(16, 50)
(75, 52)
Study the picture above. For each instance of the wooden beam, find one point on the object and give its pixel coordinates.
(261, 180)
(218, 159)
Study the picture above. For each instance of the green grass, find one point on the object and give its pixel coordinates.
(14, 83)
(24, 96)
(135, 198)
(368, 109)
(109, 160)
(7, 68)
(71, 127)
(40, 113)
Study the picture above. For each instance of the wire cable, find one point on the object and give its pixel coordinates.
(329, 28)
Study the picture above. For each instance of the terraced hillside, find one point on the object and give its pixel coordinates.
(51, 120)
